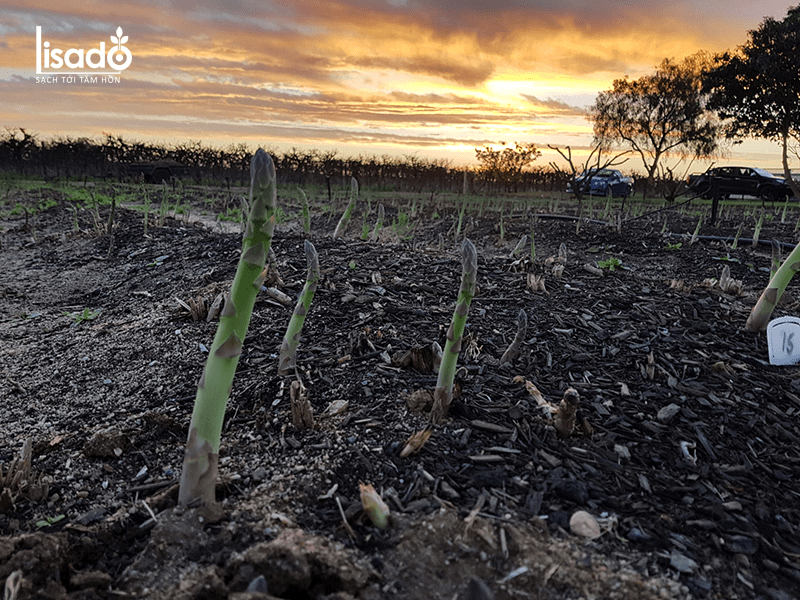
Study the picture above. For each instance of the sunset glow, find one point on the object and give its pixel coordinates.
(393, 77)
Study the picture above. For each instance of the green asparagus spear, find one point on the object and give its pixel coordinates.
(443, 394)
(291, 338)
(762, 311)
(199, 474)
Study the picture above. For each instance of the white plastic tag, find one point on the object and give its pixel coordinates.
(783, 340)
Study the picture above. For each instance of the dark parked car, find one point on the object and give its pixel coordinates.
(739, 181)
(158, 171)
(602, 182)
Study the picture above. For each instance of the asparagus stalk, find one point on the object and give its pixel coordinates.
(201, 458)
(521, 244)
(762, 311)
(378, 223)
(348, 212)
(776, 258)
(757, 231)
(519, 338)
(443, 394)
(735, 244)
(306, 214)
(291, 338)
(696, 230)
(461, 217)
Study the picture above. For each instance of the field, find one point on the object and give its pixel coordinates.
(685, 456)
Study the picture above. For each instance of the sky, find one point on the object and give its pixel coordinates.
(428, 78)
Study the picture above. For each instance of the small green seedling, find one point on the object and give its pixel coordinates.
(612, 264)
(673, 247)
(158, 260)
(48, 521)
(80, 317)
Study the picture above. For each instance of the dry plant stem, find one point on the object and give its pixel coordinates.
(519, 338)
(199, 473)
(348, 212)
(291, 338)
(443, 394)
(762, 311)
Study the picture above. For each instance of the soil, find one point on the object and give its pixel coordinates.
(683, 467)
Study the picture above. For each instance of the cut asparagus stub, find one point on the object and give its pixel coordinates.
(291, 338)
(443, 394)
(762, 311)
(202, 450)
(513, 349)
(302, 412)
(565, 417)
(377, 510)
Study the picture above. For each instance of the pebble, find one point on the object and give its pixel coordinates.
(699, 586)
(259, 475)
(740, 544)
(622, 451)
(639, 535)
(259, 584)
(682, 563)
(666, 414)
(770, 565)
(583, 524)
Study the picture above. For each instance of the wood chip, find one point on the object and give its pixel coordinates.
(477, 423)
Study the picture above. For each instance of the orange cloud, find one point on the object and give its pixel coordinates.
(399, 72)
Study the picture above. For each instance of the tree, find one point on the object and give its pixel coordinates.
(505, 167)
(756, 88)
(658, 115)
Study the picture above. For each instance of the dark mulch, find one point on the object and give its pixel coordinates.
(692, 464)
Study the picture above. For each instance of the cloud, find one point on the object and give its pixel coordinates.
(401, 72)
(458, 71)
(555, 106)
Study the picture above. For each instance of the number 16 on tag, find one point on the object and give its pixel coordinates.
(783, 339)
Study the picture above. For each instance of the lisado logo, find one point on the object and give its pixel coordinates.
(74, 61)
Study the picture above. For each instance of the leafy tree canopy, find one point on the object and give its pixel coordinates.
(505, 166)
(756, 88)
(658, 115)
